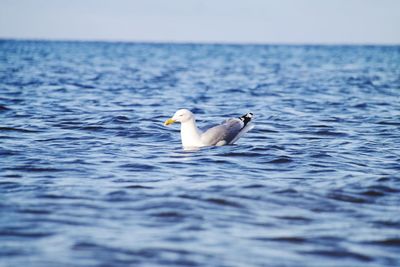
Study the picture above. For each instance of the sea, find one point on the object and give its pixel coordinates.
(90, 176)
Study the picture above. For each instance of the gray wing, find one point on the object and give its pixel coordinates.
(222, 134)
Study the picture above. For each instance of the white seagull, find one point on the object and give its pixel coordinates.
(224, 134)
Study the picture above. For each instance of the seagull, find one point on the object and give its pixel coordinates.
(226, 133)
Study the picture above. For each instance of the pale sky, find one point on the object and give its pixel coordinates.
(227, 21)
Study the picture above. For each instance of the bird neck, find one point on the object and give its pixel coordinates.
(190, 135)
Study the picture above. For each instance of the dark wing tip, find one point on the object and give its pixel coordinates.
(246, 118)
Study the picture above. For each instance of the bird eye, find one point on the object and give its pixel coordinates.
(181, 115)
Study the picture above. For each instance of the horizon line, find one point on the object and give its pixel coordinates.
(193, 42)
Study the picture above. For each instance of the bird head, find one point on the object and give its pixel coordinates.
(181, 116)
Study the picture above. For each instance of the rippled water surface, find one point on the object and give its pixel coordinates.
(91, 177)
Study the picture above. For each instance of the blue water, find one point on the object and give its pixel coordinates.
(91, 177)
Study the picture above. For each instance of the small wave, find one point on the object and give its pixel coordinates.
(76, 221)
(329, 133)
(4, 108)
(158, 255)
(361, 106)
(138, 187)
(137, 167)
(287, 191)
(384, 189)
(373, 193)
(281, 160)
(323, 169)
(393, 123)
(121, 119)
(287, 239)
(6, 152)
(321, 155)
(12, 175)
(24, 234)
(240, 154)
(118, 196)
(297, 219)
(169, 215)
(21, 130)
(234, 91)
(34, 211)
(253, 186)
(391, 223)
(7, 252)
(320, 126)
(60, 196)
(224, 202)
(341, 196)
(340, 253)
(30, 168)
(94, 128)
(81, 85)
(392, 242)
(9, 185)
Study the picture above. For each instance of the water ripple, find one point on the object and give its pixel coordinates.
(89, 175)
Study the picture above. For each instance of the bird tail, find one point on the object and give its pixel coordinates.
(246, 118)
(247, 126)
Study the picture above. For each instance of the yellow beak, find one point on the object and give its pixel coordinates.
(169, 121)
